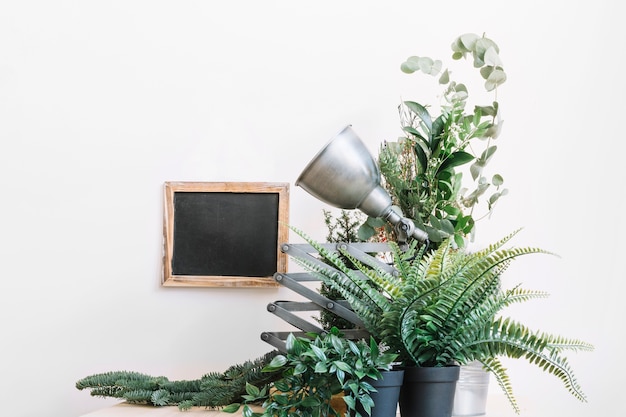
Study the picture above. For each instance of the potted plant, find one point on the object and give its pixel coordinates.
(440, 309)
(436, 171)
(318, 367)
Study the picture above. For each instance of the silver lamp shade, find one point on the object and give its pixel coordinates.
(345, 175)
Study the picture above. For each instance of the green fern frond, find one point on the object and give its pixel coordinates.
(495, 367)
(506, 337)
(363, 300)
(560, 344)
(383, 280)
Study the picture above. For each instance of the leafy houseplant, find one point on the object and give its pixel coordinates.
(442, 307)
(313, 370)
(422, 169)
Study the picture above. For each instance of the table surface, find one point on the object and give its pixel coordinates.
(497, 406)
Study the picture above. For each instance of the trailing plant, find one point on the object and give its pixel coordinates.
(421, 170)
(314, 369)
(212, 390)
(442, 307)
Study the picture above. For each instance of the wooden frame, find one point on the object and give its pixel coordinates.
(236, 227)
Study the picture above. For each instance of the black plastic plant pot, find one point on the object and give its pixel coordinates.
(428, 391)
(387, 394)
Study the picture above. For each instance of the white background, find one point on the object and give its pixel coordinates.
(101, 102)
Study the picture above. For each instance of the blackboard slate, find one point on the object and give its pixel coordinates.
(225, 234)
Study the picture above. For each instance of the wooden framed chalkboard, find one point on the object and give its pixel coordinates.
(224, 234)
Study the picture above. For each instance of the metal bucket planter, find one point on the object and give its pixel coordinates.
(471, 391)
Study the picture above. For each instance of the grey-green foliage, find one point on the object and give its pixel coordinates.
(422, 169)
(215, 389)
(444, 306)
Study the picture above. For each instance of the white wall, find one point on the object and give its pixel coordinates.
(101, 102)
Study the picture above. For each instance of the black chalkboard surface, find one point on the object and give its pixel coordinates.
(224, 234)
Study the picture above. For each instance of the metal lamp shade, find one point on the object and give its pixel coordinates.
(345, 175)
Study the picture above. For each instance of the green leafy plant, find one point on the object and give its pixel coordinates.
(442, 307)
(422, 170)
(314, 369)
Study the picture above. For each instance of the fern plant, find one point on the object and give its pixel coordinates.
(442, 307)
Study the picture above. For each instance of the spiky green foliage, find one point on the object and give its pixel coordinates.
(212, 390)
(342, 228)
(442, 307)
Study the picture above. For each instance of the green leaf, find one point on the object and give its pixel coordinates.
(486, 110)
(321, 368)
(422, 158)
(374, 349)
(343, 366)
(493, 198)
(277, 362)
(319, 353)
(454, 160)
(451, 210)
(497, 180)
(311, 401)
(336, 342)
(463, 44)
(488, 153)
(350, 402)
(299, 369)
(281, 385)
(421, 112)
(281, 399)
(231, 408)
(496, 78)
(434, 222)
(375, 222)
(476, 169)
(492, 58)
(247, 411)
(447, 226)
(291, 342)
(445, 77)
(365, 231)
(252, 390)
(353, 348)
(410, 65)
